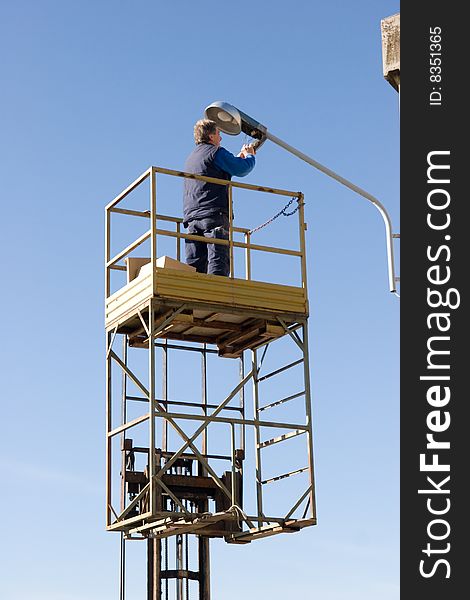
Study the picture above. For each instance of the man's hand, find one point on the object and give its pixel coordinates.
(246, 150)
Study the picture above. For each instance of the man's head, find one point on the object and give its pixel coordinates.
(207, 132)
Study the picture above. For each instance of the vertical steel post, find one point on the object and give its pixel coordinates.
(259, 487)
(154, 580)
(122, 568)
(154, 546)
(204, 569)
(151, 366)
(153, 227)
(247, 256)
(186, 560)
(153, 260)
(204, 400)
(154, 555)
(306, 361)
(203, 542)
(179, 567)
(242, 403)
(108, 430)
(123, 420)
(308, 412)
(107, 284)
(302, 228)
(107, 253)
(233, 489)
(178, 241)
(230, 217)
(166, 566)
(165, 395)
(122, 562)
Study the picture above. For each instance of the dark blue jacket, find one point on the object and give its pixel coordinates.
(203, 199)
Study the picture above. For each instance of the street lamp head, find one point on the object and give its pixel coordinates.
(233, 121)
(226, 116)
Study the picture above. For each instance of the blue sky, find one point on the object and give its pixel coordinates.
(94, 92)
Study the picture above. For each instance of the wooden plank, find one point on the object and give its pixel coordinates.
(128, 292)
(239, 338)
(235, 292)
(128, 298)
(200, 339)
(228, 326)
(209, 290)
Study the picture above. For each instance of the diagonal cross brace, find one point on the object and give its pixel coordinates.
(298, 503)
(137, 499)
(188, 441)
(220, 407)
(293, 334)
(110, 345)
(172, 496)
(161, 411)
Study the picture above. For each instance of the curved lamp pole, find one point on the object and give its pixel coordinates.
(231, 120)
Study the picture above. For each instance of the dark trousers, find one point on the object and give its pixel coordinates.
(209, 258)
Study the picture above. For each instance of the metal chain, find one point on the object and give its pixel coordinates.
(281, 212)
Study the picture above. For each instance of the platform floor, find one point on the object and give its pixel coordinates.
(234, 314)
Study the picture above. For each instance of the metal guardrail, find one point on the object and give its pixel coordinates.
(113, 262)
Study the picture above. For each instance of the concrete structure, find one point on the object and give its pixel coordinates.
(390, 28)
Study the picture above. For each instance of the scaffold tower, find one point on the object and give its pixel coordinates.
(208, 404)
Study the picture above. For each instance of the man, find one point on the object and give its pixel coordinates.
(205, 208)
